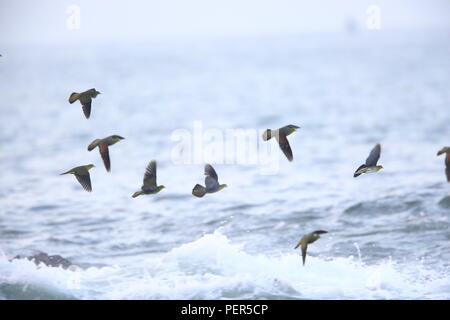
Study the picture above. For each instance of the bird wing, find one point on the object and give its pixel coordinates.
(304, 248)
(86, 102)
(298, 244)
(85, 180)
(285, 147)
(211, 179)
(373, 156)
(447, 172)
(150, 175)
(209, 171)
(211, 184)
(104, 152)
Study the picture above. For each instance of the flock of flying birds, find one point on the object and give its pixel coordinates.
(212, 184)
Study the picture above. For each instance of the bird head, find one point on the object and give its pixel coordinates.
(89, 166)
(160, 188)
(379, 168)
(117, 138)
(267, 135)
(96, 93)
(292, 129)
(222, 186)
(316, 234)
(443, 150)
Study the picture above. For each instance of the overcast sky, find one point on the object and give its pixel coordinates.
(47, 20)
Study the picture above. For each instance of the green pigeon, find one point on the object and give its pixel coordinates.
(103, 145)
(82, 175)
(307, 239)
(211, 183)
(281, 137)
(85, 100)
(371, 162)
(149, 185)
(446, 150)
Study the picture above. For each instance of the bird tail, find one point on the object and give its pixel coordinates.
(70, 171)
(298, 244)
(199, 191)
(267, 135)
(93, 144)
(73, 97)
(356, 174)
(137, 193)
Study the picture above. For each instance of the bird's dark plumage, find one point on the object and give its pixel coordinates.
(86, 105)
(285, 147)
(81, 173)
(199, 191)
(281, 137)
(85, 180)
(446, 150)
(374, 156)
(150, 176)
(307, 239)
(371, 162)
(149, 185)
(211, 183)
(85, 100)
(103, 147)
(211, 179)
(104, 152)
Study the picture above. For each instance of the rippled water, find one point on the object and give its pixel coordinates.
(388, 232)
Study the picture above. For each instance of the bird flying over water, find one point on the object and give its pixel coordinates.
(371, 162)
(211, 183)
(149, 185)
(446, 150)
(281, 137)
(85, 100)
(307, 239)
(102, 145)
(82, 175)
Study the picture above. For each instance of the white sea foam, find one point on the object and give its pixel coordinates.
(214, 268)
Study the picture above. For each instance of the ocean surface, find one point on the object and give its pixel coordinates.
(388, 233)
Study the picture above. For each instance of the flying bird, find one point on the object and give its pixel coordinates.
(371, 162)
(446, 150)
(281, 137)
(211, 183)
(307, 239)
(149, 185)
(82, 175)
(102, 145)
(85, 100)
